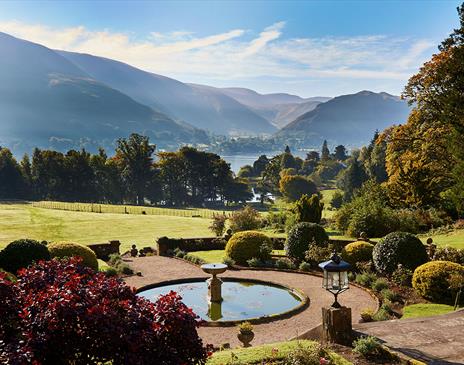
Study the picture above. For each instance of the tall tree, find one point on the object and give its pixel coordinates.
(340, 153)
(135, 158)
(325, 153)
(11, 179)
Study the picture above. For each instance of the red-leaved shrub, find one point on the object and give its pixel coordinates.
(60, 312)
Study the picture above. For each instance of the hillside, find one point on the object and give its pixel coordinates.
(200, 106)
(278, 108)
(47, 101)
(347, 119)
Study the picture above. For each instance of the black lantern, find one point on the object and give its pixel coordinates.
(335, 276)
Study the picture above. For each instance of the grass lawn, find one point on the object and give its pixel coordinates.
(213, 256)
(24, 221)
(425, 310)
(259, 354)
(454, 239)
(327, 196)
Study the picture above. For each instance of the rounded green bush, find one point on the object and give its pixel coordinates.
(430, 280)
(301, 236)
(398, 248)
(70, 249)
(22, 253)
(359, 251)
(245, 245)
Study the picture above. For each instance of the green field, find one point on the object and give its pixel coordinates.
(454, 239)
(25, 221)
(213, 256)
(425, 310)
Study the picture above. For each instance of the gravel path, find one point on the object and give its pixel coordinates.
(156, 269)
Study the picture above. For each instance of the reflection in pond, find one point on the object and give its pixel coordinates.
(242, 299)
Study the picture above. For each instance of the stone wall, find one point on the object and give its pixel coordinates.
(104, 250)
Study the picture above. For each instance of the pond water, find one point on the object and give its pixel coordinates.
(242, 299)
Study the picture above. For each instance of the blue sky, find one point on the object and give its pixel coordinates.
(307, 48)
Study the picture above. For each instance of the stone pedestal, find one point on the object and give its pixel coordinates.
(336, 325)
(214, 289)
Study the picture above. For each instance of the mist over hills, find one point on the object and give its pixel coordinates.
(62, 100)
(348, 119)
(49, 102)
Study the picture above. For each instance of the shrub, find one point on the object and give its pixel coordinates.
(22, 253)
(358, 251)
(111, 271)
(368, 347)
(402, 276)
(375, 220)
(308, 209)
(284, 264)
(243, 246)
(69, 249)
(194, 259)
(316, 254)
(179, 253)
(301, 236)
(255, 262)
(367, 315)
(366, 279)
(398, 248)
(218, 225)
(381, 315)
(449, 254)
(246, 219)
(305, 266)
(431, 280)
(293, 187)
(389, 295)
(228, 261)
(379, 285)
(304, 355)
(77, 316)
(337, 200)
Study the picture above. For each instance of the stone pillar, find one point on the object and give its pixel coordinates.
(336, 325)
(214, 289)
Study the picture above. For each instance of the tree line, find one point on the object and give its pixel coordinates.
(135, 174)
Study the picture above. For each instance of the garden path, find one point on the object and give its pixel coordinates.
(437, 340)
(157, 269)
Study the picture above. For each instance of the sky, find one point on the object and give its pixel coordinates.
(308, 48)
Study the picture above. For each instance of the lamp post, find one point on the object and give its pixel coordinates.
(335, 276)
(336, 320)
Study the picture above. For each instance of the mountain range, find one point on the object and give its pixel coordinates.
(61, 100)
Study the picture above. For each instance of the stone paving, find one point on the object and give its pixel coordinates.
(437, 340)
(157, 269)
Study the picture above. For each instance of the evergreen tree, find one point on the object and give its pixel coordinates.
(309, 209)
(340, 153)
(325, 153)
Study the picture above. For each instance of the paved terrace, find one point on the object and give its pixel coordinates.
(156, 269)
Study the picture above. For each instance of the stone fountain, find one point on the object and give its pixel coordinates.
(214, 283)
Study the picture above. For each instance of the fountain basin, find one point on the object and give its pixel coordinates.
(243, 300)
(214, 269)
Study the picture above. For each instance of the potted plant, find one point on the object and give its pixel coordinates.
(245, 334)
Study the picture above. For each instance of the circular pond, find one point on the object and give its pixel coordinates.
(243, 299)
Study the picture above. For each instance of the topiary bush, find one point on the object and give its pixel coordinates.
(70, 249)
(22, 253)
(359, 251)
(398, 248)
(301, 236)
(431, 280)
(77, 316)
(246, 245)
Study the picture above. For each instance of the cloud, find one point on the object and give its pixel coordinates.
(235, 56)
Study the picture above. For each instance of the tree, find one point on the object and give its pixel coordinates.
(246, 171)
(293, 187)
(352, 179)
(260, 164)
(287, 161)
(418, 163)
(436, 91)
(134, 156)
(325, 153)
(79, 177)
(374, 156)
(340, 153)
(309, 209)
(12, 184)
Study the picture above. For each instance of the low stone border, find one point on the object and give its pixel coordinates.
(305, 301)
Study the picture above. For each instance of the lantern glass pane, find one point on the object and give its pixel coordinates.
(344, 282)
(325, 280)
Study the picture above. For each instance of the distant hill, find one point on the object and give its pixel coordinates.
(48, 101)
(203, 107)
(279, 108)
(347, 119)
